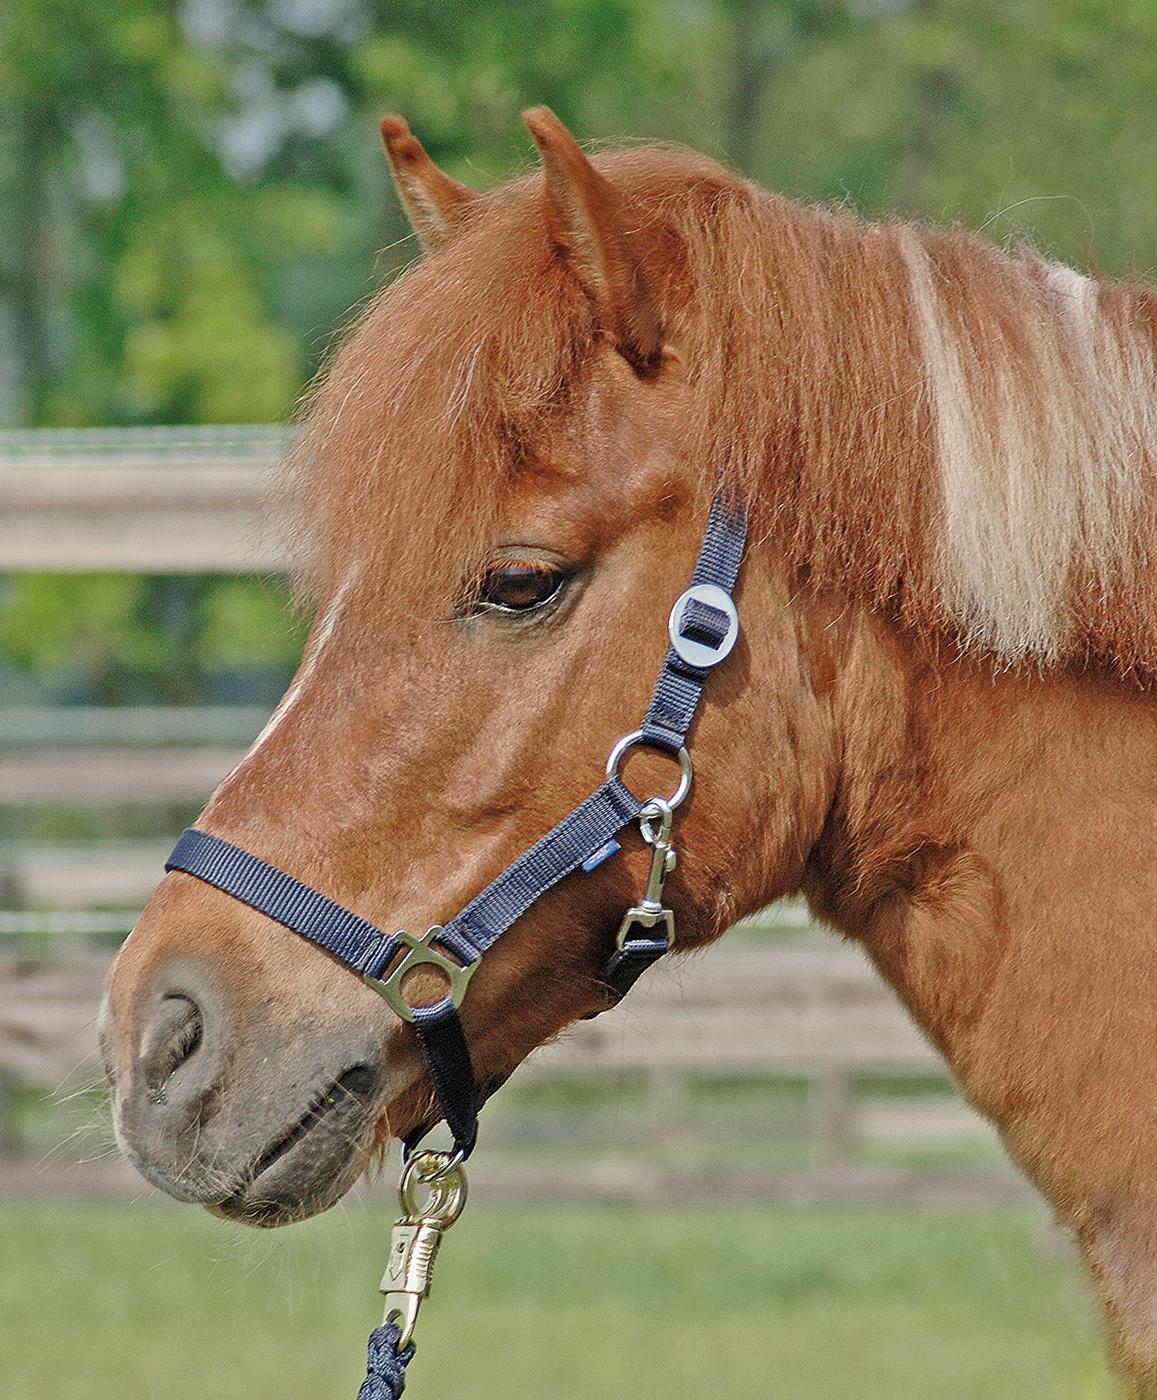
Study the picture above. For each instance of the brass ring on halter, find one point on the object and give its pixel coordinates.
(447, 1161)
(421, 952)
(442, 1173)
(638, 737)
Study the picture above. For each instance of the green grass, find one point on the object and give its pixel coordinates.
(577, 1303)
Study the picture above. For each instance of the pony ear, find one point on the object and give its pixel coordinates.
(584, 220)
(435, 204)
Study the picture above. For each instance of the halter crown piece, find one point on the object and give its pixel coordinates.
(703, 629)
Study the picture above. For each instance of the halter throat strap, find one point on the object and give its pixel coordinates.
(703, 628)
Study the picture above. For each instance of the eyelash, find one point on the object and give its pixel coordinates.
(532, 577)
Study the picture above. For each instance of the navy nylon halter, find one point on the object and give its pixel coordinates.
(703, 629)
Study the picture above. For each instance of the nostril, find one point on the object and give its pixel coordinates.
(171, 1040)
(361, 1081)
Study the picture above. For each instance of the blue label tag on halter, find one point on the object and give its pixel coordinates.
(593, 862)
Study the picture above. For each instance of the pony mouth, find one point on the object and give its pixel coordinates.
(306, 1168)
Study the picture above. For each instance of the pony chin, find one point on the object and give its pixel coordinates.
(294, 1193)
(312, 1178)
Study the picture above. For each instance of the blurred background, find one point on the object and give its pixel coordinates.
(754, 1178)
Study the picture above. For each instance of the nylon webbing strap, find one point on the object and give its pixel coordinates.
(290, 902)
(561, 851)
(681, 683)
(704, 624)
(368, 949)
(583, 838)
(443, 1041)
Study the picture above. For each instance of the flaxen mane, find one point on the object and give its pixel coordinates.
(960, 438)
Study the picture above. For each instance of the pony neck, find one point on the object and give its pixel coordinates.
(989, 838)
(989, 842)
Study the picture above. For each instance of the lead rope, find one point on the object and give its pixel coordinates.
(386, 1364)
(413, 1249)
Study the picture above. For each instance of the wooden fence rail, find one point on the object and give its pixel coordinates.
(160, 500)
(79, 875)
(130, 726)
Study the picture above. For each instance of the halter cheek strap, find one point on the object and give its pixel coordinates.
(703, 629)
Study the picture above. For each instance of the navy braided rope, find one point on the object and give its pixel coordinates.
(385, 1364)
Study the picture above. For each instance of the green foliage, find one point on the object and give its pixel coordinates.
(201, 351)
(113, 638)
(244, 624)
(193, 196)
(50, 621)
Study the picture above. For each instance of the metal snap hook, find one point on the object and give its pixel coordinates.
(417, 1236)
(657, 810)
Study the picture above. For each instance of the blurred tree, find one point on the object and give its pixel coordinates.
(1036, 119)
(127, 260)
(111, 639)
(192, 193)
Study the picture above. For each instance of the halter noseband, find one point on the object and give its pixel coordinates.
(703, 629)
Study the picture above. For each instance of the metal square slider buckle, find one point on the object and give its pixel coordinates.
(421, 952)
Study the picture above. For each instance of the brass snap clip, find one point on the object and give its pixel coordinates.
(417, 1235)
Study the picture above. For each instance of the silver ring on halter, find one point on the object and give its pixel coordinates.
(637, 737)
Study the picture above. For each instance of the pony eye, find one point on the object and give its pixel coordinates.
(518, 587)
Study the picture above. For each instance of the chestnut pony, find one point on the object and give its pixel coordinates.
(939, 722)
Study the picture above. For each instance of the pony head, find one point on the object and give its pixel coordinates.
(501, 486)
